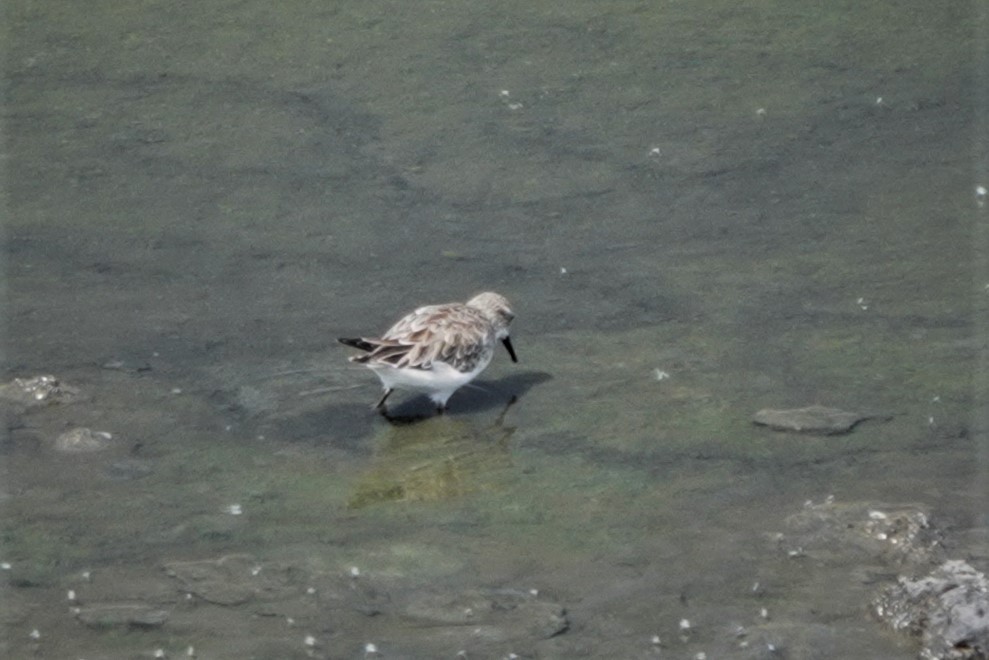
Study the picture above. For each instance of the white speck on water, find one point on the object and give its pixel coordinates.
(980, 191)
(176, 390)
(234, 510)
(660, 374)
(877, 515)
(309, 640)
(70, 595)
(5, 565)
(191, 652)
(515, 106)
(655, 151)
(684, 624)
(354, 571)
(311, 591)
(654, 640)
(35, 634)
(563, 271)
(504, 93)
(256, 571)
(160, 653)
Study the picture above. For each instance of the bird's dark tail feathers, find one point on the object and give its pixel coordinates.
(357, 343)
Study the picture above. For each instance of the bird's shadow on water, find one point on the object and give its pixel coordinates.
(345, 425)
(474, 398)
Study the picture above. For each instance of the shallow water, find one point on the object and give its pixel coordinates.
(772, 205)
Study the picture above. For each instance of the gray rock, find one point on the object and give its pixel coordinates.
(819, 420)
(948, 610)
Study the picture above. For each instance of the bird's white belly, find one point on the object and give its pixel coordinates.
(441, 378)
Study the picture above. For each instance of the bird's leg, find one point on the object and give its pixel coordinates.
(501, 417)
(381, 402)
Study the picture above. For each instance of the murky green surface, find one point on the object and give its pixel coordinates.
(771, 203)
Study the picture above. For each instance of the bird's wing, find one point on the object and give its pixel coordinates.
(455, 334)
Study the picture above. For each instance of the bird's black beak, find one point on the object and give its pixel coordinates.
(511, 351)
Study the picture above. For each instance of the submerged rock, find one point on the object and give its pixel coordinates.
(232, 580)
(116, 615)
(487, 615)
(948, 610)
(82, 440)
(812, 419)
(128, 468)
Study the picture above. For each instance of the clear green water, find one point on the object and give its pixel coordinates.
(771, 202)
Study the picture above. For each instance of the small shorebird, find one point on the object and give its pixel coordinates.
(437, 349)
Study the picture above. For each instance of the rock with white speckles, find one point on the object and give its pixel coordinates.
(948, 610)
(901, 534)
(37, 391)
